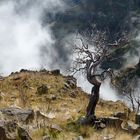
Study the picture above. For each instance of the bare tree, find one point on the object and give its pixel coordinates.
(133, 95)
(88, 60)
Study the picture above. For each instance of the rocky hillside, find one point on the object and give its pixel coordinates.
(46, 105)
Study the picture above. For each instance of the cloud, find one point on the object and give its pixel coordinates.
(22, 33)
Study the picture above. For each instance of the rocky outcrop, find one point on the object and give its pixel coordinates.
(18, 114)
(131, 127)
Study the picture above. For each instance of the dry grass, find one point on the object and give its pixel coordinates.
(20, 90)
(116, 135)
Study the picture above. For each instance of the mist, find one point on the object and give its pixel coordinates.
(27, 43)
(23, 36)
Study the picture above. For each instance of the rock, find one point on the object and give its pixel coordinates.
(43, 89)
(131, 127)
(108, 137)
(121, 115)
(55, 72)
(19, 114)
(112, 121)
(134, 128)
(46, 138)
(80, 138)
(23, 134)
(56, 127)
(137, 119)
(50, 115)
(137, 137)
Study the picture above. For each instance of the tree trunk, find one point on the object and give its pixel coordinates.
(93, 101)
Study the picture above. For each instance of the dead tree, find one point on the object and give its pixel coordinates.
(88, 60)
(133, 95)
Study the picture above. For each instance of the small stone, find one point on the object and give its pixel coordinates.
(137, 137)
(56, 127)
(51, 115)
(132, 127)
(102, 126)
(108, 137)
(46, 138)
(80, 138)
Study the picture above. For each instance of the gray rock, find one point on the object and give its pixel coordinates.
(108, 137)
(134, 128)
(23, 134)
(46, 138)
(80, 138)
(137, 137)
(56, 127)
(17, 113)
(131, 127)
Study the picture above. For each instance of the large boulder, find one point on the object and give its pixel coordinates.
(131, 127)
(19, 114)
(137, 137)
